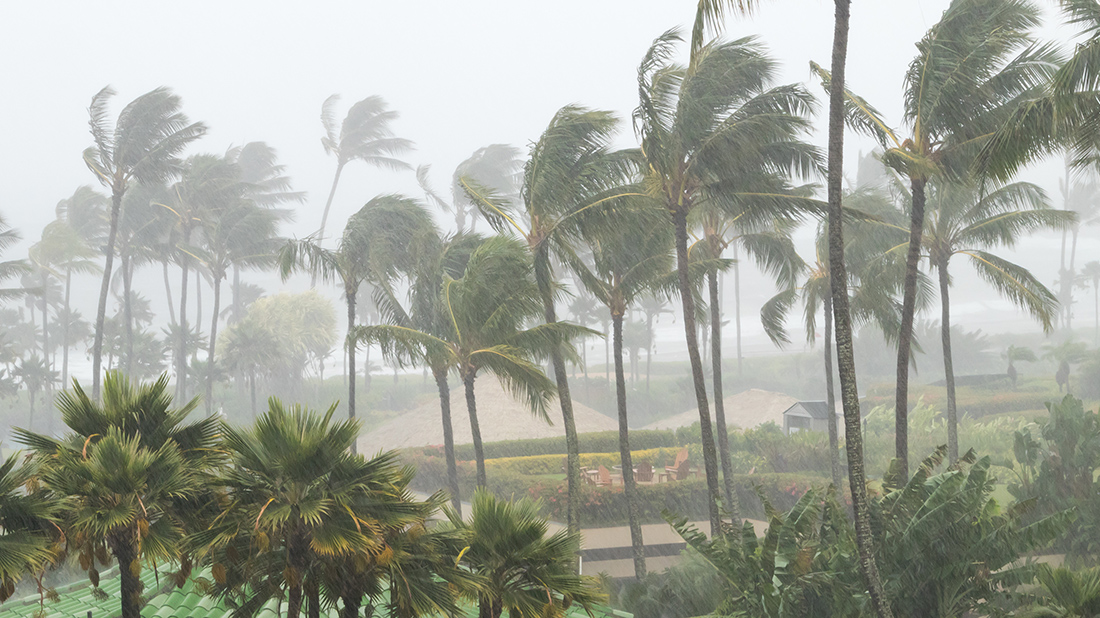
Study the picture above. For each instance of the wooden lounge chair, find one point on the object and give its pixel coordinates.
(604, 478)
(644, 473)
(670, 471)
(684, 471)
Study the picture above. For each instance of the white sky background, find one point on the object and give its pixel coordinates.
(462, 75)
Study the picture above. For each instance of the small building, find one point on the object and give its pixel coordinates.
(808, 416)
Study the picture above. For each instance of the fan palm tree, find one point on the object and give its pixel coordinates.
(379, 242)
(527, 571)
(296, 496)
(631, 257)
(365, 135)
(716, 131)
(25, 545)
(964, 222)
(143, 147)
(34, 374)
(569, 178)
(486, 308)
(129, 472)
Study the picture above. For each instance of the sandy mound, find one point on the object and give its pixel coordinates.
(499, 415)
(743, 410)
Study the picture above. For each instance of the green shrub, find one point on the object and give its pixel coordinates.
(597, 442)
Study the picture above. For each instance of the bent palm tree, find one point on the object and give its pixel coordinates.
(496, 166)
(964, 222)
(364, 135)
(570, 177)
(486, 309)
(379, 241)
(716, 131)
(143, 147)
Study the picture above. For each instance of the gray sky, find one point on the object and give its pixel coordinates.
(462, 75)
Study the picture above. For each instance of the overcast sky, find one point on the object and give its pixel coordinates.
(461, 74)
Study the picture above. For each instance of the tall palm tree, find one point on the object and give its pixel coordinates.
(143, 147)
(379, 242)
(487, 308)
(365, 135)
(570, 177)
(874, 274)
(1080, 194)
(128, 471)
(439, 260)
(715, 130)
(963, 221)
(10, 269)
(527, 571)
(981, 55)
(629, 258)
(85, 211)
(773, 250)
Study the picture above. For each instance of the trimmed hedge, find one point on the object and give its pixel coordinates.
(554, 464)
(598, 442)
(606, 506)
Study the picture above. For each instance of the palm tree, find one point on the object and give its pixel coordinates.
(716, 131)
(1080, 194)
(35, 375)
(296, 495)
(128, 471)
(771, 246)
(630, 257)
(439, 260)
(379, 241)
(570, 177)
(980, 56)
(874, 275)
(527, 571)
(247, 348)
(486, 308)
(1066, 354)
(496, 166)
(143, 147)
(84, 212)
(364, 135)
(25, 516)
(9, 269)
(1067, 593)
(964, 222)
(1015, 354)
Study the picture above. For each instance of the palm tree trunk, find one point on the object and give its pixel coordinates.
(710, 458)
(45, 323)
(350, 292)
(65, 329)
(1072, 275)
(948, 365)
(296, 548)
(649, 350)
(351, 603)
(905, 334)
(630, 488)
(830, 397)
(475, 429)
(543, 278)
(313, 594)
(236, 292)
(324, 215)
(198, 304)
(181, 354)
(168, 293)
(123, 547)
(252, 391)
(128, 309)
(210, 358)
(719, 404)
(440, 374)
(838, 278)
(104, 290)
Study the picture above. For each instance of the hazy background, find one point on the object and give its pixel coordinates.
(462, 75)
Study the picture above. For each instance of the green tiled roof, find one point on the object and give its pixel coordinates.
(167, 601)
